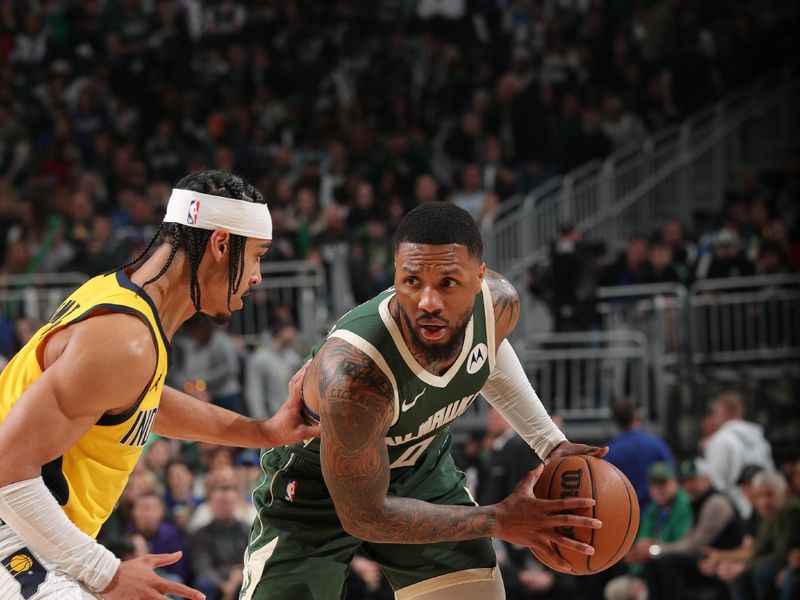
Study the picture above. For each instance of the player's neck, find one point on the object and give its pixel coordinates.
(170, 292)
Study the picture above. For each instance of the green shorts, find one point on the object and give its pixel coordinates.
(299, 550)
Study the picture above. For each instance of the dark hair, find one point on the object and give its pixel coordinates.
(623, 413)
(440, 223)
(193, 241)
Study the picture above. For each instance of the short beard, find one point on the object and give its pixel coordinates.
(436, 353)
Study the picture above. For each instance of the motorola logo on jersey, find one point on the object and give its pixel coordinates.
(476, 358)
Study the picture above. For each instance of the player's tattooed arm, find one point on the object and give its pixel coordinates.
(356, 409)
(506, 304)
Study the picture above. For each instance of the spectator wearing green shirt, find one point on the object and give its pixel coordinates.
(665, 520)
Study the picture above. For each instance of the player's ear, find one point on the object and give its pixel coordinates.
(219, 243)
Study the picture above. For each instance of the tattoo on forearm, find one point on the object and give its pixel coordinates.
(506, 303)
(356, 404)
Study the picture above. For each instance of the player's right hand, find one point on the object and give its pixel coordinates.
(136, 580)
(524, 519)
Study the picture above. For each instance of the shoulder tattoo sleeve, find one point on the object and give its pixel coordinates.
(506, 304)
(355, 413)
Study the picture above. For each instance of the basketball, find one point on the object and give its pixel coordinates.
(20, 563)
(616, 506)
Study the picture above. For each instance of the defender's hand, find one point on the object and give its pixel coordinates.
(524, 519)
(135, 579)
(287, 426)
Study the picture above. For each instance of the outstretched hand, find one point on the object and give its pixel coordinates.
(568, 449)
(526, 520)
(287, 426)
(136, 579)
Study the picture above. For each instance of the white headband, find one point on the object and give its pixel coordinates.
(204, 211)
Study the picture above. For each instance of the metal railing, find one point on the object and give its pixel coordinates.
(297, 285)
(746, 319)
(671, 174)
(37, 295)
(580, 375)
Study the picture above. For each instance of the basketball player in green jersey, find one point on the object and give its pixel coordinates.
(385, 384)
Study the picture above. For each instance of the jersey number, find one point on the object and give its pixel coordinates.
(411, 454)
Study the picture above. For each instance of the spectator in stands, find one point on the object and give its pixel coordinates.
(635, 451)
(622, 127)
(15, 146)
(223, 475)
(179, 497)
(727, 259)
(569, 281)
(425, 190)
(218, 548)
(667, 519)
(778, 539)
(715, 524)
(162, 538)
(771, 260)
(631, 267)
(470, 195)
(661, 268)
(206, 364)
(589, 143)
(683, 251)
(734, 444)
(269, 369)
(745, 483)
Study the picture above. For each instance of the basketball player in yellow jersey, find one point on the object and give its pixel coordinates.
(79, 400)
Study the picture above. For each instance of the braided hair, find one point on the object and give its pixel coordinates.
(193, 241)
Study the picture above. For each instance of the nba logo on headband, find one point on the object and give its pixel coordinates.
(194, 209)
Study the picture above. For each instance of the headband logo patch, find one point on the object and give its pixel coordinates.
(194, 209)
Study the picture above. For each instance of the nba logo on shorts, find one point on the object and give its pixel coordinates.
(194, 209)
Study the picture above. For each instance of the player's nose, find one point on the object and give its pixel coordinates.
(255, 278)
(430, 301)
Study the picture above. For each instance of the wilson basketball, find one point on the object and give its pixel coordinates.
(616, 505)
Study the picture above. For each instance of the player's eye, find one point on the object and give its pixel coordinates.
(447, 282)
(411, 280)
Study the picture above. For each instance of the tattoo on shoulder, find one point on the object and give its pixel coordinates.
(355, 393)
(505, 301)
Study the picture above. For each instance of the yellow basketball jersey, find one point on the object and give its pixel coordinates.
(88, 479)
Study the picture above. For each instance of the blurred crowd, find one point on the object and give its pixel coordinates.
(756, 233)
(345, 114)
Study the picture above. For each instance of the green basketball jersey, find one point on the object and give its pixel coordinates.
(424, 403)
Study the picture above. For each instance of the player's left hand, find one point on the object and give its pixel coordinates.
(567, 448)
(287, 426)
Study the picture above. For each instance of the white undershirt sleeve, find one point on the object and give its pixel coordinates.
(511, 394)
(32, 512)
